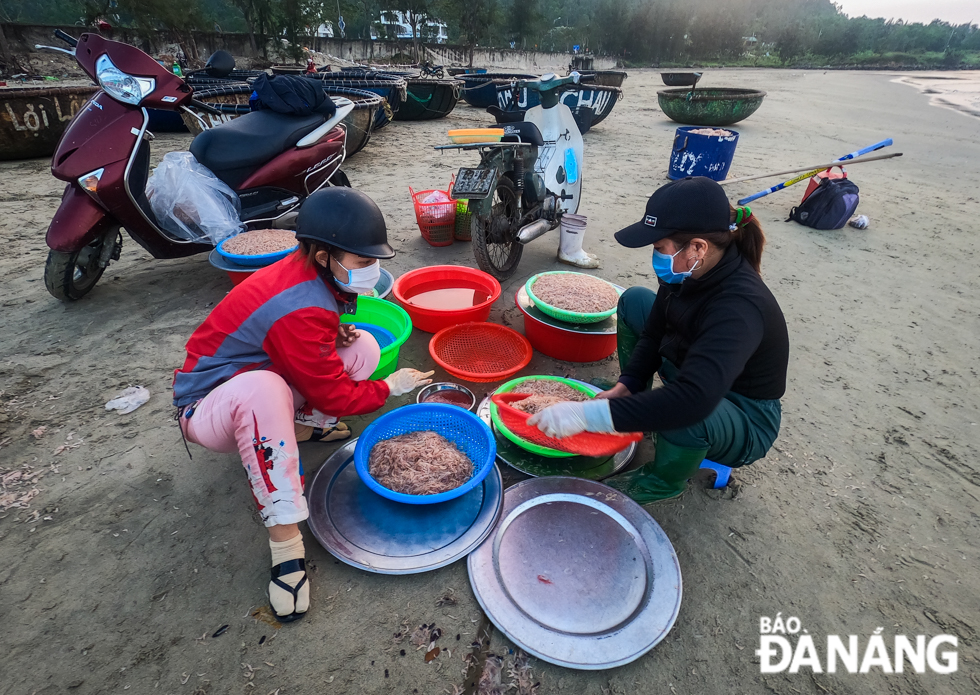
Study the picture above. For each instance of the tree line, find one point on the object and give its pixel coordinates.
(637, 31)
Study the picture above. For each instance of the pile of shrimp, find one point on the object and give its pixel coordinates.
(419, 463)
(545, 393)
(576, 292)
(535, 404)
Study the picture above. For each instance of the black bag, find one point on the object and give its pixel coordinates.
(293, 96)
(829, 206)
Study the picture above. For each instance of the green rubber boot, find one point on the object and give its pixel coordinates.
(664, 477)
(626, 341)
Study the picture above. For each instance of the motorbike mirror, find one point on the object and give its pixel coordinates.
(220, 64)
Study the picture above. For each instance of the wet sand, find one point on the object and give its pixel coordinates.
(863, 516)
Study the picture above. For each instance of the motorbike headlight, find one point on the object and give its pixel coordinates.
(121, 86)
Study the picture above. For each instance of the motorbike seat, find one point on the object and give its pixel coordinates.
(233, 150)
(522, 131)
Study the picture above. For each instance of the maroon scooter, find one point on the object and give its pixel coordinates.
(271, 160)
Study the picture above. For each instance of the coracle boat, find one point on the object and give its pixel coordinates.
(429, 99)
(480, 90)
(391, 87)
(606, 78)
(232, 101)
(589, 103)
(361, 121)
(712, 106)
(32, 119)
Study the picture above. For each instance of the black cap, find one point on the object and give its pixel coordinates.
(346, 219)
(689, 205)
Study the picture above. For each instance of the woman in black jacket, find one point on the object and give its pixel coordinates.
(714, 333)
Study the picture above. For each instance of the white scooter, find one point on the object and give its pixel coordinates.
(526, 183)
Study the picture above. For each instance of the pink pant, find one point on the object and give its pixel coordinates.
(253, 414)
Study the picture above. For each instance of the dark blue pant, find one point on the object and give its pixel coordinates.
(739, 431)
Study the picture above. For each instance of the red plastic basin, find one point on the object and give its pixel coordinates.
(446, 277)
(565, 345)
(238, 278)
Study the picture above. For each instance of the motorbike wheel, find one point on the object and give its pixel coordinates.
(499, 258)
(70, 276)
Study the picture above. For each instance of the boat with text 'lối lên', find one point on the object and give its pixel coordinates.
(32, 119)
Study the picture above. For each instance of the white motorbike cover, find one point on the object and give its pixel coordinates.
(560, 160)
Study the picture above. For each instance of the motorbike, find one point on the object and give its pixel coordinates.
(271, 160)
(526, 182)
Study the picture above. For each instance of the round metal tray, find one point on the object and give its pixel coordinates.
(365, 530)
(539, 466)
(577, 574)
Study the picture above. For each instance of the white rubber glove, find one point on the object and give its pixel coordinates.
(568, 419)
(405, 380)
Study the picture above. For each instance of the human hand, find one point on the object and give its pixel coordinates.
(617, 391)
(347, 334)
(405, 380)
(560, 420)
(568, 419)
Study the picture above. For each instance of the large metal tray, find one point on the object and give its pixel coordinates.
(365, 530)
(577, 574)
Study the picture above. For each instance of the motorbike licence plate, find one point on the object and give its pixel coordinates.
(473, 183)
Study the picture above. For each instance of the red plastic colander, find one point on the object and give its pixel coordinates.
(583, 444)
(481, 352)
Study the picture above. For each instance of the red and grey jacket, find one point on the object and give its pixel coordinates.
(284, 319)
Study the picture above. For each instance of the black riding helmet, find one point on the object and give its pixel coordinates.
(346, 219)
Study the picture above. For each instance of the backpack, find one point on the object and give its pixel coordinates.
(829, 206)
(293, 96)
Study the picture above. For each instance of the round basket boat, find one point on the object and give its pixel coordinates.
(481, 90)
(429, 99)
(391, 87)
(33, 119)
(606, 78)
(232, 100)
(360, 122)
(589, 103)
(714, 106)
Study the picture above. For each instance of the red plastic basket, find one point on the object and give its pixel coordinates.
(437, 221)
(480, 352)
(583, 444)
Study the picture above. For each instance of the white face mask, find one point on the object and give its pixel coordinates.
(360, 280)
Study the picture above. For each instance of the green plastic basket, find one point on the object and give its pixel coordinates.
(463, 219)
(562, 314)
(511, 386)
(389, 316)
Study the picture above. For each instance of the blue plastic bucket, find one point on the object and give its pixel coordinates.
(694, 154)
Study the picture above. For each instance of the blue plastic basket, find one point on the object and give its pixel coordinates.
(259, 260)
(459, 426)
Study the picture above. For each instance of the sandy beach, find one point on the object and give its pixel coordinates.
(864, 515)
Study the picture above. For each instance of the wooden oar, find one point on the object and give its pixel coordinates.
(815, 168)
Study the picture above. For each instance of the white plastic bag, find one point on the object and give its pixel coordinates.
(436, 197)
(190, 202)
(128, 400)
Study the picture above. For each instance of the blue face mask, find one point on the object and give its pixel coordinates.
(663, 266)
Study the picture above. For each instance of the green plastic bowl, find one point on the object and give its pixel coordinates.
(562, 314)
(511, 386)
(389, 316)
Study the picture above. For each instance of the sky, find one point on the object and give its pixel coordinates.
(953, 11)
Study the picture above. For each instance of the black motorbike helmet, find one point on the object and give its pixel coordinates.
(345, 219)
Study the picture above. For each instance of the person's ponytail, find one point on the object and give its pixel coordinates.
(748, 236)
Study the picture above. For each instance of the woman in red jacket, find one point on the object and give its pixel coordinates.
(272, 362)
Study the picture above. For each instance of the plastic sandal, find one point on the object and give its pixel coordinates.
(279, 570)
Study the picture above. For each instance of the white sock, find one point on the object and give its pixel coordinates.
(282, 600)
